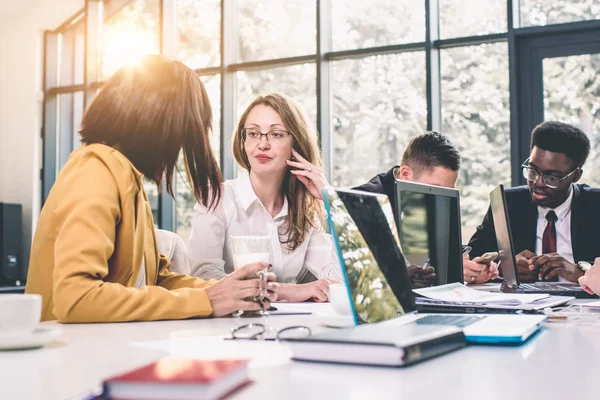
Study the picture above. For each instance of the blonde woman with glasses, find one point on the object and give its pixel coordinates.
(278, 196)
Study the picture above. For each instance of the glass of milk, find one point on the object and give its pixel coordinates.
(249, 250)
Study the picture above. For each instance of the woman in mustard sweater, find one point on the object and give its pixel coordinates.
(94, 256)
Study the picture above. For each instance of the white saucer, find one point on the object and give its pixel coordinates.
(41, 336)
(328, 317)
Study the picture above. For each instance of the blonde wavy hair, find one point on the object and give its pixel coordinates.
(304, 211)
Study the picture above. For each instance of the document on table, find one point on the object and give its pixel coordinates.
(593, 304)
(261, 353)
(285, 308)
(461, 294)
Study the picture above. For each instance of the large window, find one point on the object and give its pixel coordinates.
(544, 12)
(184, 197)
(271, 29)
(369, 74)
(358, 24)
(132, 32)
(475, 112)
(471, 17)
(379, 103)
(297, 81)
(572, 94)
(199, 33)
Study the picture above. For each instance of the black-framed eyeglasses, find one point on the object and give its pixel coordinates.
(276, 136)
(552, 181)
(256, 331)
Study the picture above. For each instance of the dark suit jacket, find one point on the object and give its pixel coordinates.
(523, 214)
(382, 183)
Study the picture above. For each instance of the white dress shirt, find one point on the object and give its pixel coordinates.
(564, 246)
(240, 213)
(140, 281)
(172, 246)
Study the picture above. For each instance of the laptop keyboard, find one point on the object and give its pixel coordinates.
(459, 321)
(546, 287)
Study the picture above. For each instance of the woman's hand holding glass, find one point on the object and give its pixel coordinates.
(249, 250)
(230, 294)
(311, 176)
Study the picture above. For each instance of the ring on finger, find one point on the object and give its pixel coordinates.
(310, 169)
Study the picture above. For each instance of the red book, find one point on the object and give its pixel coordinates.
(179, 379)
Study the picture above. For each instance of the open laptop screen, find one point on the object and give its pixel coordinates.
(366, 237)
(428, 218)
(504, 238)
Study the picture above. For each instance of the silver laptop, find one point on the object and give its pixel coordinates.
(429, 227)
(508, 260)
(371, 256)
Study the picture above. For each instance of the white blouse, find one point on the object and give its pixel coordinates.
(240, 213)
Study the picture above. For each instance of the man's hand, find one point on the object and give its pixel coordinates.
(230, 293)
(317, 290)
(552, 265)
(477, 272)
(421, 277)
(523, 262)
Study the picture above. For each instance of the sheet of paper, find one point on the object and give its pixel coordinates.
(594, 304)
(285, 308)
(459, 293)
(261, 353)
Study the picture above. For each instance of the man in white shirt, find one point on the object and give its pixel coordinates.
(552, 218)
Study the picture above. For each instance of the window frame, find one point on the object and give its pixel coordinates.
(96, 12)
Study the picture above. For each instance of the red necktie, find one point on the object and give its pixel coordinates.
(549, 236)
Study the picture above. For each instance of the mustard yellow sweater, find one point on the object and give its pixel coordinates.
(93, 231)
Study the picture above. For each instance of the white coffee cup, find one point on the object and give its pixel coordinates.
(339, 299)
(19, 313)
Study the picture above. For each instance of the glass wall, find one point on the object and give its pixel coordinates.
(128, 34)
(475, 114)
(544, 12)
(379, 103)
(572, 94)
(358, 24)
(369, 74)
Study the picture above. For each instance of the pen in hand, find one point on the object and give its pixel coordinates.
(426, 264)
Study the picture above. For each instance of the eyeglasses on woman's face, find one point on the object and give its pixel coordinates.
(276, 136)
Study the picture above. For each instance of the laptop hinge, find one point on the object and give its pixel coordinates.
(507, 288)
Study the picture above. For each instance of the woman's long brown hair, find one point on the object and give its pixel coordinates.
(304, 211)
(151, 111)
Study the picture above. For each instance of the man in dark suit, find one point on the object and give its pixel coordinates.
(552, 219)
(432, 159)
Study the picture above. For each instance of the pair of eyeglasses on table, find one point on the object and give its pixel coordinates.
(578, 314)
(258, 331)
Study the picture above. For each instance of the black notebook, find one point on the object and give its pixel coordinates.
(378, 344)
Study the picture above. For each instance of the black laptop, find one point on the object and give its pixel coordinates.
(429, 227)
(508, 260)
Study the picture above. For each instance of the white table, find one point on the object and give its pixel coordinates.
(561, 362)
